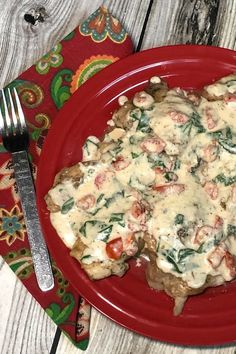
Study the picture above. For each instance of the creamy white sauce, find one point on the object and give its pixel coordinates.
(122, 195)
(223, 86)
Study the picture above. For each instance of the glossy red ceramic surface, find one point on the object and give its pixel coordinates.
(207, 319)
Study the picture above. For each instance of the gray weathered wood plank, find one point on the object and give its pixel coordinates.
(24, 326)
(21, 44)
(210, 22)
(108, 337)
(131, 14)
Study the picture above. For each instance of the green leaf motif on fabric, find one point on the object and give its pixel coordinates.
(52, 59)
(59, 314)
(69, 36)
(20, 263)
(60, 90)
(36, 134)
(31, 94)
(83, 344)
(2, 148)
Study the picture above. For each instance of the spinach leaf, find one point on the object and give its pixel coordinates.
(155, 161)
(194, 168)
(216, 135)
(112, 198)
(67, 206)
(108, 201)
(169, 176)
(179, 219)
(228, 145)
(177, 164)
(194, 121)
(231, 230)
(171, 258)
(85, 257)
(132, 140)
(134, 155)
(116, 217)
(143, 121)
(95, 211)
(228, 133)
(83, 229)
(100, 198)
(184, 253)
(104, 233)
(206, 246)
(227, 181)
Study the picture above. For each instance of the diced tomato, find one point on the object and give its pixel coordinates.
(153, 145)
(137, 209)
(114, 248)
(86, 202)
(211, 189)
(167, 189)
(216, 257)
(130, 245)
(100, 179)
(179, 117)
(159, 170)
(210, 152)
(203, 233)
(230, 263)
(120, 163)
(219, 222)
(230, 98)
(211, 122)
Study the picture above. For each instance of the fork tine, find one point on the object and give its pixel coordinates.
(13, 113)
(20, 111)
(7, 118)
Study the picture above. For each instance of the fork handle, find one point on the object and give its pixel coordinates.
(40, 256)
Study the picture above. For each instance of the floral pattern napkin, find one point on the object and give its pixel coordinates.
(44, 88)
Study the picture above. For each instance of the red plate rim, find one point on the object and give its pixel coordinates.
(90, 91)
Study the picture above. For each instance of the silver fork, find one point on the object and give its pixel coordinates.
(15, 139)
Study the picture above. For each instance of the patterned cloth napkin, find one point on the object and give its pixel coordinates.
(44, 88)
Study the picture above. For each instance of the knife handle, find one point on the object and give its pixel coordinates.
(40, 256)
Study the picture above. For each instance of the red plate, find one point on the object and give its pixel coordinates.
(207, 319)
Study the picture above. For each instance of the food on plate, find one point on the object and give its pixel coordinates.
(161, 182)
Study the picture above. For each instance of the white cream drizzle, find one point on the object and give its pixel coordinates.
(134, 182)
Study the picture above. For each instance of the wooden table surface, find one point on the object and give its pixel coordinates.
(24, 326)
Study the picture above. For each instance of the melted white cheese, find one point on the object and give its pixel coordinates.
(131, 190)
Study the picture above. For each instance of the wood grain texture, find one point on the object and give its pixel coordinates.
(24, 325)
(109, 338)
(131, 14)
(209, 22)
(21, 44)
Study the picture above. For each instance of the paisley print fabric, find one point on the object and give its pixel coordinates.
(101, 24)
(43, 90)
